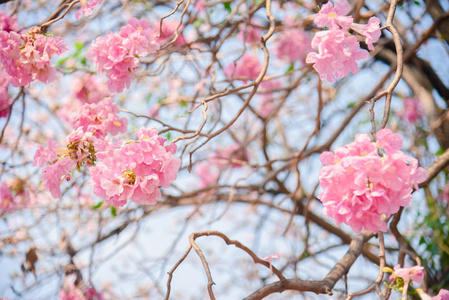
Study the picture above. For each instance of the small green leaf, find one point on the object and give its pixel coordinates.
(416, 2)
(197, 23)
(113, 211)
(79, 46)
(227, 6)
(61, 61)
(98, 205)
(290, 68)
(83, 61)
(168, 135)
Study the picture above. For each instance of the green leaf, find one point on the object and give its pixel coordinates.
(227, 6)
(197, 23)
(61, 61)
(416, 2)
(79, 46)
(113, 211)
(290, 68)
(98, 205)
(83, 61)
(168, 135)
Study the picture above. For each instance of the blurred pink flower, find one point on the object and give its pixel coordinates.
(233, 156)
(207, 173)
(168, 32)
(293, 45)
(442, 295)
(248, 67)
(249, 34)
(413, 110)
(8, 23)
(359, 185)
(88, 89)
(87, 8)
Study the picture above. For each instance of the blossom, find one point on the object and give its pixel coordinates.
(87, 8)
(14, 194)
(359, 185)
(134, 170)
(370, 31)
(99, 119)
(89, 90)
(413, 110)
(337, 54)
(44, 155)
(27, 57)
(442, 295)
(266, 105)
(334, 16)
(248, 66)
(168, 32)
(293, 45)
(233, 156)
(207, 174)
(249, 34)
(117, 54)
(54, 174)
(414, 273)
(8, 23)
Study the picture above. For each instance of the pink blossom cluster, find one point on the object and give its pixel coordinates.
(207, 173)
(5, 100)
(413, 110)
(338, 52)
(7, 22)
(27, 57)
(363, 181)
(293, 45)
(134, 170)
(87, 8)
(118, 55)
(99, 119)
(247, 67)
(13, 195)
(93, 121)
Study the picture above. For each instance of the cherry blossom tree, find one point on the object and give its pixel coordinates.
(200, 149)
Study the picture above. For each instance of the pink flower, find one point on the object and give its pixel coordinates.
(370, 31)
(233, 156)
(87, 8)
(415, 273)
(293, 45)
(134, 170)
(27, 57)
(248, 67)
(168, 32)
(8, 23)
(88, 90)
(337, 54)
(14, 194)
(117, 54)
(44, 155)
(138, 38)
(207, 174)
(5, 100)
(249, 34)
(99, 119)
(442, 295)
(334, 15)
(359, 185)
(413, 110)
(53, 175)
